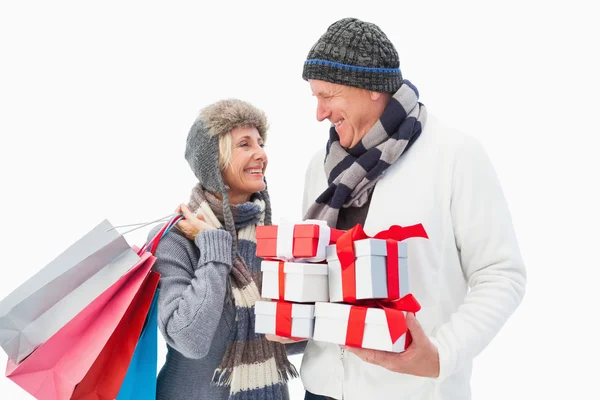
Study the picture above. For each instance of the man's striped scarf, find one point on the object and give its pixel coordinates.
(253, 367)
(352, 173)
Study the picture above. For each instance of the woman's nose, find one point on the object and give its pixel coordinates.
(260, 154)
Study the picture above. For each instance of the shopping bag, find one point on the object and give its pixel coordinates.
(106, 375)
(42, 305)
(53, 370)
(140, 381)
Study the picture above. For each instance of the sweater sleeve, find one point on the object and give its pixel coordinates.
(490, 259)
(192, 289)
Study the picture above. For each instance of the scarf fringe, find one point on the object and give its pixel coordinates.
(289, 372)
(222, 376)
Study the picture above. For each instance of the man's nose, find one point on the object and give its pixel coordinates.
(322, 112)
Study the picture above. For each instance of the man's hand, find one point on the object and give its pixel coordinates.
(192, 225)
(283, 340)
(421, 358)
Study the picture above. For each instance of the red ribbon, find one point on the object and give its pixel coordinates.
(394, 314)
(283, 319)
(391, 267)
(347, 257)
(356, 326)
(393, 307)
(281, 278)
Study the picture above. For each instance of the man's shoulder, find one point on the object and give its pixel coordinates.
(448, 138)
(441, 131)
(315, 180)
(317, 158)
(315, 168)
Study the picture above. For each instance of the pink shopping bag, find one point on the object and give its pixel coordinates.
(54, 369)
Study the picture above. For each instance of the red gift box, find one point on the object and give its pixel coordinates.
(305, 240)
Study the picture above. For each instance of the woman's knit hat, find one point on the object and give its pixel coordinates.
(355, 53)
(202, 147)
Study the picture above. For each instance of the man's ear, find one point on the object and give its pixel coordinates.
(375, 96)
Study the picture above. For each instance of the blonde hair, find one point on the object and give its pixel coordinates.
(225, 147)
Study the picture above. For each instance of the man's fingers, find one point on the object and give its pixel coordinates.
(415, 328)
(364, 354)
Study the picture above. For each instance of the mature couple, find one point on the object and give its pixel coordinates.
(386, 162)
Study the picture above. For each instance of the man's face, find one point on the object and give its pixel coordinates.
(351, 110)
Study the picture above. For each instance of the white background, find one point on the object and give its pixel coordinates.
(96, 101)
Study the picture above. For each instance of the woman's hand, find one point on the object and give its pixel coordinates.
(282, 340)
(193, 224)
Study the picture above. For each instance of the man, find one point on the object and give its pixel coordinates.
(388, 162)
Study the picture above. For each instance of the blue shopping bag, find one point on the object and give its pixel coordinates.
(140, 381)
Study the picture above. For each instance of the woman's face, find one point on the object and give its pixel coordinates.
(245, 174)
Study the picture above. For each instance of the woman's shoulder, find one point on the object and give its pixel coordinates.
(174, 242)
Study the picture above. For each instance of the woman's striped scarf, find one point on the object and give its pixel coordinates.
(253, 367)
(352, 173)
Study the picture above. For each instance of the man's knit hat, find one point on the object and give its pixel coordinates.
(355, 53)
(202, 147)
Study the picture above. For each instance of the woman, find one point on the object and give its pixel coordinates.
(210, 275)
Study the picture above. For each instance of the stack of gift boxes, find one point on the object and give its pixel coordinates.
(334, 286)
(294, 276)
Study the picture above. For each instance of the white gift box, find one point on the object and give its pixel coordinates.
(331, 326)
(303, 282)
(370, 269)
(303, 319)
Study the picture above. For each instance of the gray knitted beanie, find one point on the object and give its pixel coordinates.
(355, 53)
(202, 147)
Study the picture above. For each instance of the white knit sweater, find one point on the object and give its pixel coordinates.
(468, 277)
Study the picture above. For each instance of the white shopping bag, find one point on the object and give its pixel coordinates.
(47, 301)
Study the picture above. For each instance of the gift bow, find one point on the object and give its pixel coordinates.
(347, 257)
(394, 315)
